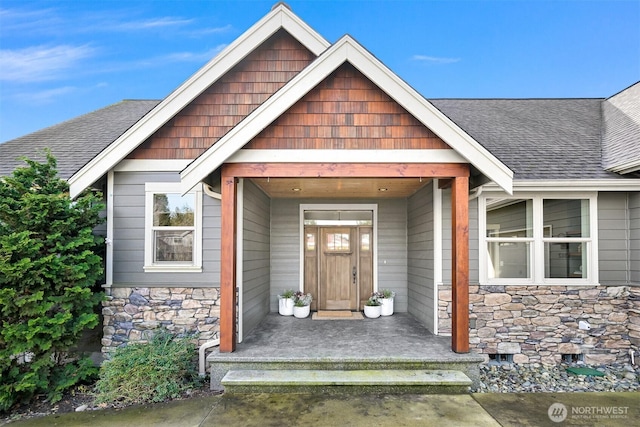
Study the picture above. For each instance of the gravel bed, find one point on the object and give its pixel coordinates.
(537, 378)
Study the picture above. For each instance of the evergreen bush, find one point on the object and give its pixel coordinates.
(48, 267)
(163, 368)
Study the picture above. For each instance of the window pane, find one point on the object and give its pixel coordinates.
(173, 210)
(565, 260)
(566, 218)
(509, 218)
(338, 242)
(174, 245)
(509, 260)
(311, 241)
(365, 242)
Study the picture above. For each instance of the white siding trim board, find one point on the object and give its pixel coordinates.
(346, 156)
(240, 256)
(163, 165)
(109, 238)
(437, 250)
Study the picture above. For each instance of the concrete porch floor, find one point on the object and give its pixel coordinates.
(393, 342)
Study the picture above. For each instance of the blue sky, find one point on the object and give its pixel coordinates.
(60, 59)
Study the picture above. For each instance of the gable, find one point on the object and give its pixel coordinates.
(347, 50)
(228, 100)
(346, 111)
(280, 17)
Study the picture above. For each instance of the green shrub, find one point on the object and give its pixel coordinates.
(164, 368)
(48, 267)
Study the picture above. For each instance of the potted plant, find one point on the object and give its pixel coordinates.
(301, 304)
(386, 298)
(285, 303)
(373, 306)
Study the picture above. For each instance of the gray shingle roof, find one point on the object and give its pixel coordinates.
(76, 141)
(621, 128)
(535, 138)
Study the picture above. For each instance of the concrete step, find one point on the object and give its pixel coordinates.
(346, 381)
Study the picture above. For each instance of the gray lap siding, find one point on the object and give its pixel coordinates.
(128, 238)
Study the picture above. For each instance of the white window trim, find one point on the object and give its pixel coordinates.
(538, 240)
(150, 189)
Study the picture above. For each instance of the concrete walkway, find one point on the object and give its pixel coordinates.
(479, 410)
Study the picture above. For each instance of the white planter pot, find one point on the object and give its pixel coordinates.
(372, 311)
(301, 312)
(387, 307)
(285, 306)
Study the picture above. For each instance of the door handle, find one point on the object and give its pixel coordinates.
(355, 275)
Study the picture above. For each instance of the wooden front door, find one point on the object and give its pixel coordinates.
(339, 268)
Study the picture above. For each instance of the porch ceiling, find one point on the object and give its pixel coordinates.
(340, 187)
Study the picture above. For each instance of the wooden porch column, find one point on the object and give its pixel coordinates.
(228, 299)
(460, 264)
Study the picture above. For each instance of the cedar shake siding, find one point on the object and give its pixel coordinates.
(346, 111)
(227, 101)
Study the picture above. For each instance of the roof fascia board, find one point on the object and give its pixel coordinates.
(280, 17)
(346, 156)
(346, 49)
(626, 167)
(570, 185)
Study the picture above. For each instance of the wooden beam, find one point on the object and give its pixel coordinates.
(348, 170)
(460, 264)
(228, 299)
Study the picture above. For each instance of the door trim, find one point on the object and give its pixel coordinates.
(373, 207)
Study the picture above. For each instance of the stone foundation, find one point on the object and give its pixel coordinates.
(537, 324)
(133, 314)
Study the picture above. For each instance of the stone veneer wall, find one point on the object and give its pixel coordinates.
(132, 314)
(537, 324)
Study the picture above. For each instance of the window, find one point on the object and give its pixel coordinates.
(173, 230)
(338, 242)
(538, 239)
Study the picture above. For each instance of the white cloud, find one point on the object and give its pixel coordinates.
(150, 23)
(171, 58)
(40, 63)
(43, 97)
(213, 30)
(192, 56)
(434, 59)
(24, 20)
